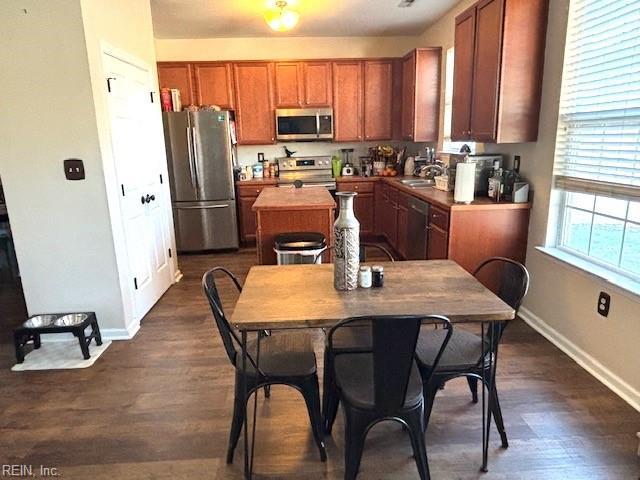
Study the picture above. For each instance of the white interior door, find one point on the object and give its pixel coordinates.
(137, 152)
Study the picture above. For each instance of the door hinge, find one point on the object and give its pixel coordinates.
(122, 187)
(109, 83)
(170, 255)
(161, 179)
(135, 282)
(151, 94)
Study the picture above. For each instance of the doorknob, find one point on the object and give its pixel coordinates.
(149, 198)
(153, 197)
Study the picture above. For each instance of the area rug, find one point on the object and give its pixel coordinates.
(60, 355)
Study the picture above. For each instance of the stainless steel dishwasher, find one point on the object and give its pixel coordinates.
(418, 234)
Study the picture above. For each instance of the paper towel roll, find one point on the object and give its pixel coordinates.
(465, 182)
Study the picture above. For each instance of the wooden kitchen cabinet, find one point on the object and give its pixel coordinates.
(421, 94)
(347, 101)
(437, 246)
(363, 205)
(499, 60)
(378, 99)
(289, 85)
(178, 75)
(255, 119)
(246, 197)
(317, 81)
(402, 235)
(214, 84)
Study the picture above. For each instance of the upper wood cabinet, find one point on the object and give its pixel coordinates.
(177, 75)
(499, 60)
(347, 101)
(378, 99)
(317, 84)
(303, 84)
(421, 94)
(214, 84)
(255, 120)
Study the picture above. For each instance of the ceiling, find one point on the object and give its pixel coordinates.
(318, 18)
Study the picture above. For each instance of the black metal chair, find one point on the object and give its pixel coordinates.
(363, 251)
(285, 359)
(382, 382)
(464, 355)
(350, 338)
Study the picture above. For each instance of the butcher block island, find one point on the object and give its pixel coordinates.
(287, 209)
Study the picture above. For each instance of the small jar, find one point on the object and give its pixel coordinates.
(364, 277)
(377, 274)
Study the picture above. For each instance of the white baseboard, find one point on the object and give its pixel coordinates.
(582, 358)
(120, 333)
(177, 277)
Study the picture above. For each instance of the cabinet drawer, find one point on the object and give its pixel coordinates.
(439, 217)
(251, 190)
(360, 187)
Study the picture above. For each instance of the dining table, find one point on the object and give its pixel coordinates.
(281, 297)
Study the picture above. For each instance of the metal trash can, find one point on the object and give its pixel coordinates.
(299, 247)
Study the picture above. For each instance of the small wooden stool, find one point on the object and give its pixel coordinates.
(75, 323)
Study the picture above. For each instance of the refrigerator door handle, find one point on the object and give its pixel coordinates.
(206, 207)
(190, 154)
(195, 158)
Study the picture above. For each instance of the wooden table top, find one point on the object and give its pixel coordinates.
(302, 296)
(283, 198)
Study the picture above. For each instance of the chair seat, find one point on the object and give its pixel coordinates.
(287, 354)
(463, 351)
(354, 378)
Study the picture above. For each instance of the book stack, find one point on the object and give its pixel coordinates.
(170, 98)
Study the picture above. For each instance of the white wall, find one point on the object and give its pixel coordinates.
(270, 48)
(61, 228)
(562, 300)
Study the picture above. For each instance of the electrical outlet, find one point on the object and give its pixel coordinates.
(604, 303)
(74, 169)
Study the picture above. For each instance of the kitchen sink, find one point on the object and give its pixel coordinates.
(418, 183)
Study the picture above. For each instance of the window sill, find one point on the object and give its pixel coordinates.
(624, 285)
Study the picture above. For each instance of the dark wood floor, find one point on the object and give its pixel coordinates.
(158, 407)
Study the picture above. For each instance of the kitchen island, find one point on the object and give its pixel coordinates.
(286, 210)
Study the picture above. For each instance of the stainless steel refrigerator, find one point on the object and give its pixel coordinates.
(201, 156)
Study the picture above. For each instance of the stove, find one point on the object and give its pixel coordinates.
(311, 171)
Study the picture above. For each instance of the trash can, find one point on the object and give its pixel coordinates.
(299, 247)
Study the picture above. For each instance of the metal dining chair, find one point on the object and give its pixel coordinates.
(463, 356)
(285, 359)
(382, 382)
(363, 247)
(350, 338)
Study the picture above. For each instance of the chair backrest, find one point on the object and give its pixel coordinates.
(511, 280)
(211, 291)
(393, 350)
(363, 247)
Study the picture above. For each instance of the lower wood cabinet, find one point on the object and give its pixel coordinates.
(402, 226)
(246, 196)
(364, 204)
(437, 246)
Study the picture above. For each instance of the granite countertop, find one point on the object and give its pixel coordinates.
(311, 198)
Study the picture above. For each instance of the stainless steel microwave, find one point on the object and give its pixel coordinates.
(304, 124)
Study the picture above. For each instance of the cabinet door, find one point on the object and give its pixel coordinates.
(177, 75)
(317, 84)
(486, 73)
(255, 117)
(379, 209)
(364, 210)
(403, 230)
(408, 95)
(463, 75)
(347, 101)
(438, 242)
(378, 99)
(214, 84)
(288, 85)
(247, 219)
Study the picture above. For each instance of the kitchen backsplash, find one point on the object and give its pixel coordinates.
(248, 154)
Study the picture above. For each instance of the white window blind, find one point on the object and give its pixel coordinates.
(598, 141)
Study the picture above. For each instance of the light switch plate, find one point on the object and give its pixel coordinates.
(74, 169)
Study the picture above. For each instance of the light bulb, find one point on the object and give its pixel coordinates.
(281, 19)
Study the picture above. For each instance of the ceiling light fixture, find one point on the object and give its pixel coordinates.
(281, 18)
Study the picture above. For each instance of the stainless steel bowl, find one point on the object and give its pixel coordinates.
(71, 319)
(39, 321)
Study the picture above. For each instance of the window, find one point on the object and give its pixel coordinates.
(597, 159)
(447, 144)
